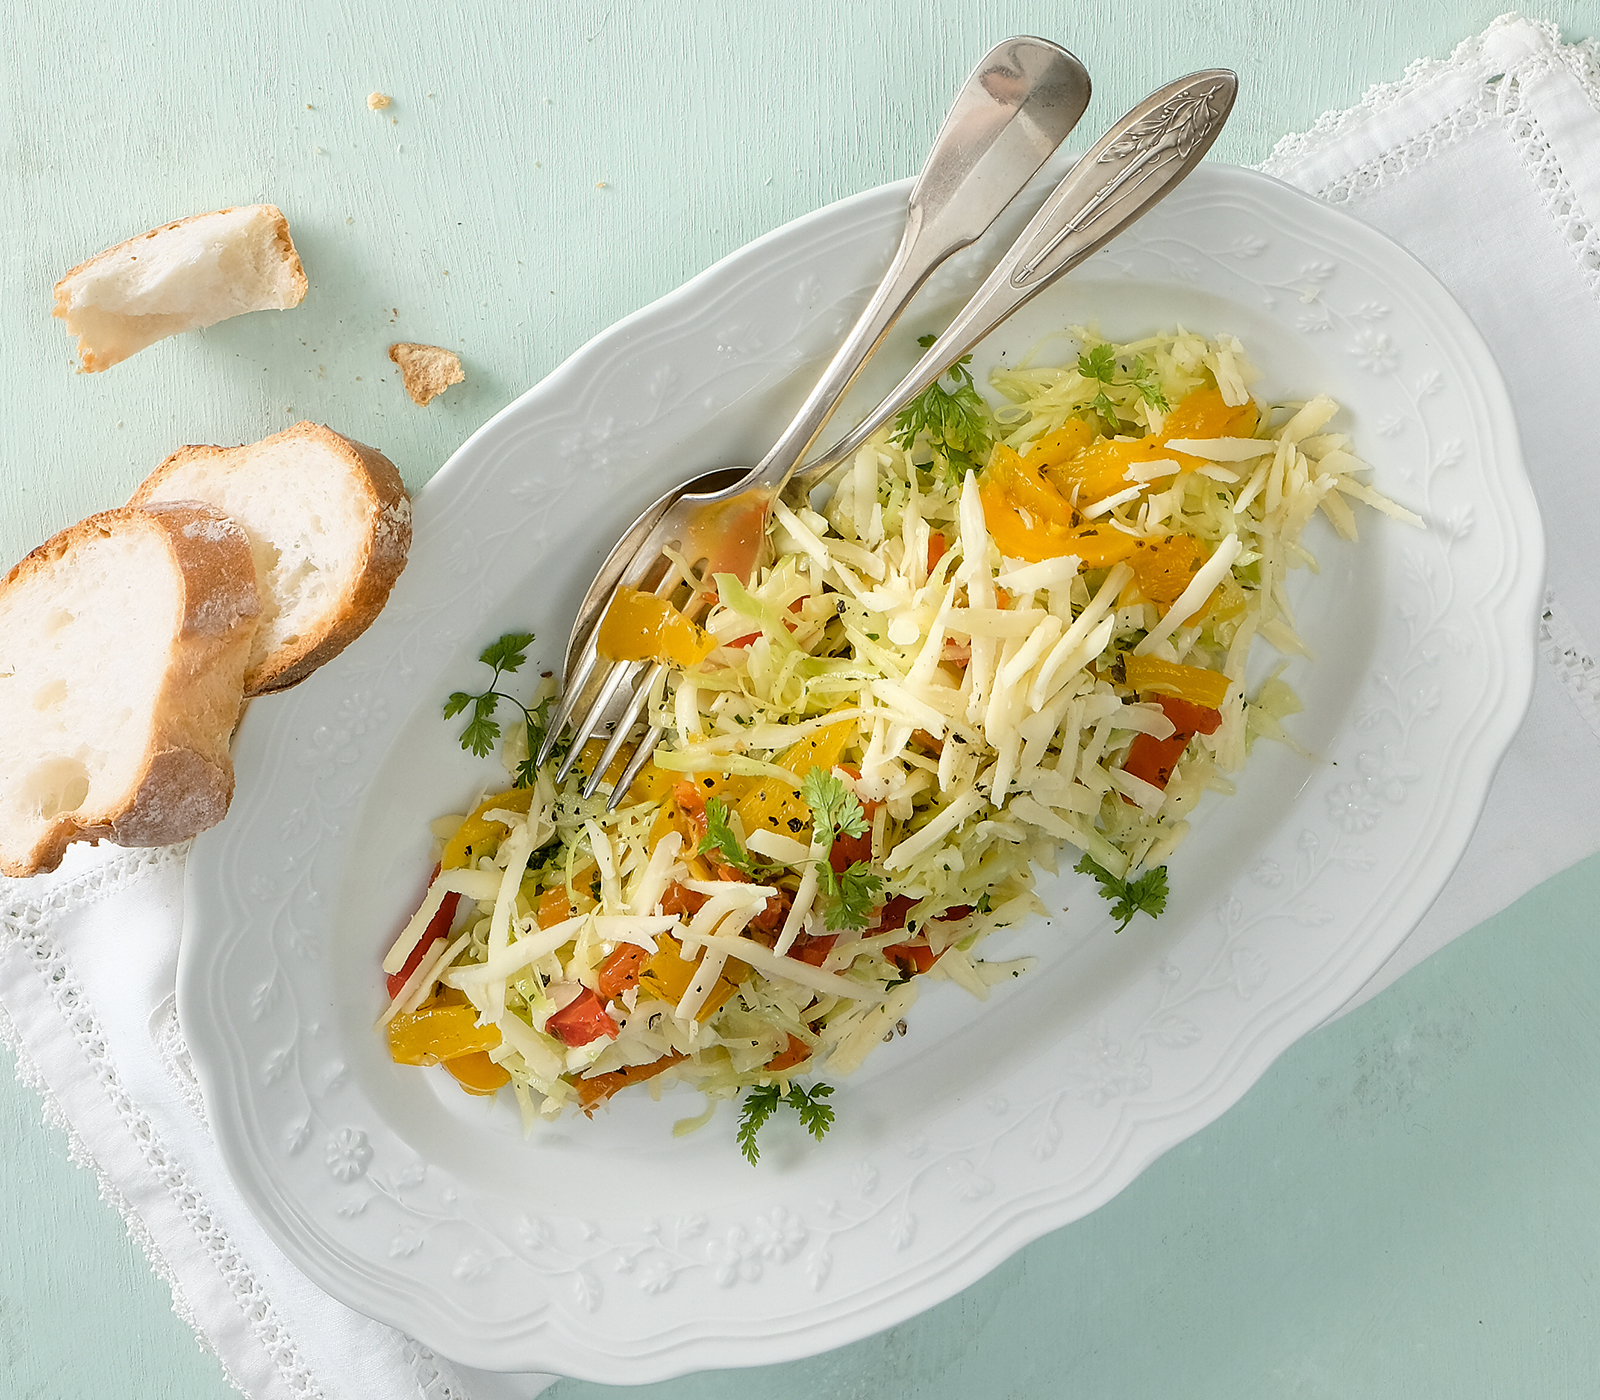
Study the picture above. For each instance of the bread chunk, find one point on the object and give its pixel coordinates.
(123, 643)
(179, 277)
(426, 370)
(329, 524)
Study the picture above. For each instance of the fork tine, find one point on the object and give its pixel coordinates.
(571, 693)
(619, 736)
(585, 729)
(641, 756)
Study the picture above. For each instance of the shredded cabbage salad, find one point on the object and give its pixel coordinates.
(1011, 628)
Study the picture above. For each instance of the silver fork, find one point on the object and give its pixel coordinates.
(1139, 160)
(1131, 168)
(1016, 107)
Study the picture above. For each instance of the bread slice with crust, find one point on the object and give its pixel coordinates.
(329, 524)
(179, 277)
(123, 643)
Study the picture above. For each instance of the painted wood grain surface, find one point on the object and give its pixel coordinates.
(1406, 1205)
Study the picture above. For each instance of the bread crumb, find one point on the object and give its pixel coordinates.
(600, 184)
(427, 370)
(378, 100)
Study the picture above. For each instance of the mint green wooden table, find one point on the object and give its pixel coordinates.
(1408, 1204)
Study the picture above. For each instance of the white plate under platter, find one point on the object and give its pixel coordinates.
(612, 1251)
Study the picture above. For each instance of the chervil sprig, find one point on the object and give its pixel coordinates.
(1100, 365)
(835, 810)
(849, 896)
(764, 1100)
(955, 420)
(1146, 895)
(505, 655)
(720, 839)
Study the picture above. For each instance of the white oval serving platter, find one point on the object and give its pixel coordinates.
(612, 1251)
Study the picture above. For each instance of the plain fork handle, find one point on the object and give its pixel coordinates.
(1133, 166)
(1020, 102)
(1014, 109)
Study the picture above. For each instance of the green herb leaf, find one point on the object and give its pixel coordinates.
(1146, 895)
(834, 808)
(848, 898)
(1100, 363)
(1103, 405)
(720, 839)
(761, 1102)
(507, 653)
(955, 420)
(483, 730)
(758, 1106)
(816, 1115)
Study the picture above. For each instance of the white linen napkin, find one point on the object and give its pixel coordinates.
(1486, 166)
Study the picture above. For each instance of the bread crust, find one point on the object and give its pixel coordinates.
(426, 370)
(383, 550)
(184, 781)
(91, 360)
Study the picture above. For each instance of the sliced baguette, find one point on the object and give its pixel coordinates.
(123, 642)
(329, 524)
(179, 277)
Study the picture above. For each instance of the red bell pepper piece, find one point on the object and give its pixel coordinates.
(438, 927)
(893, 914)
(813, 950)
(911, 958)
(621, 970)
(796, 1052)
(1152, 759)
(581, 1020)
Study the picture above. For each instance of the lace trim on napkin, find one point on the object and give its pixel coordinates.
(1499, 94)
(28, 921)
(30, 1076)
(1572, 661)
(29, 925)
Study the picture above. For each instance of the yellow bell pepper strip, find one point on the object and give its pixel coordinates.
(775, 805)
(642, 627)
(668, 974)
(1032, 505)
(439, 1030)
(1203, 414)
(1148, 675)
(1100, 469)
(478, 836)
(689, 820)
(1028, 517)
(1060, 447)
(1163, 567)
(477, 1073)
